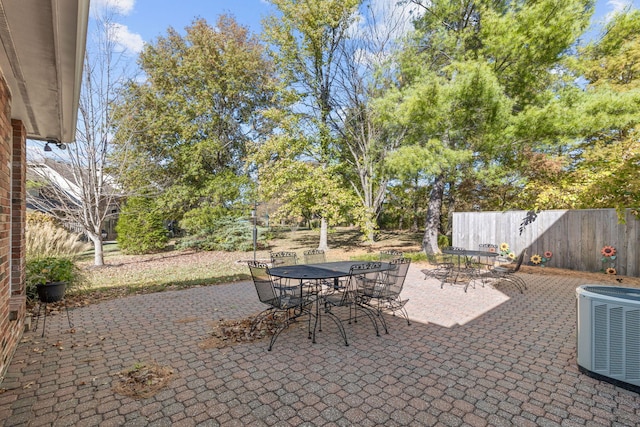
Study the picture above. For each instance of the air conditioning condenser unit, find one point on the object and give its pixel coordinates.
(608, 322)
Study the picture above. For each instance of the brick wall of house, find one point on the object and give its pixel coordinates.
(18, 209)
(12, 309)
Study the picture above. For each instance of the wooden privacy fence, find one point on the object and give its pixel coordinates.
(574, 237)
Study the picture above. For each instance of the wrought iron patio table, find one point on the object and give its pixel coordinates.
(468, 253)
(316, 273)
(466, 274)
(321, 271)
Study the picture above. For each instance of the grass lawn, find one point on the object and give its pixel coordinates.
(173, 269)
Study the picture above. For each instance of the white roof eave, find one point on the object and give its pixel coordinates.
(43, 47)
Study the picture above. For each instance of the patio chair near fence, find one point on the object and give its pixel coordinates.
(284, 304)
(507, 273)
(384, 296)
(485, 263)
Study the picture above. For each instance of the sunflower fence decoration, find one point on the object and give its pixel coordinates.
(505, 251)
(609, 259)
(541, 260)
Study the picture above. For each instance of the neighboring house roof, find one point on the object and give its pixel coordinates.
(60, 175)
(43, 46)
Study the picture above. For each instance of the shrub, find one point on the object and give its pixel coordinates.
(225, 234)
(443, 241)
(201, 220)
(140, 227)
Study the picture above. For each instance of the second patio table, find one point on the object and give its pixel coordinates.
(468, 253)
(466, 274)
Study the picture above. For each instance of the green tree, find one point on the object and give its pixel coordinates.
(601, 169)
(184, 131)
(140, 226)
(363, 145)
(305, 38)
(469, 69)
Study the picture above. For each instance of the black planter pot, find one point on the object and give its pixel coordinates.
(51, 292)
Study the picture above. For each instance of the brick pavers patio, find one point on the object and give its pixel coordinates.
(487, 357)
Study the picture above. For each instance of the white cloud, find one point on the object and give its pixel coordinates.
(125, 39)
(379, 25)
(387, 18)
(123, 7)
(617, 6)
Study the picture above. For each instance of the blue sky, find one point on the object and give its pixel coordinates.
(143, 21)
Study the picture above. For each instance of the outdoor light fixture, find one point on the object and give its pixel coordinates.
(58, 144)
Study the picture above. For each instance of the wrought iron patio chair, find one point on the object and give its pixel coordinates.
(391, 254)
(485, 263)
(348, 297)
(317, 256)
(440, 267)
(314, 256)
(283, 258)
(464, 271)
(384, 296)
(506, 273)
(285, 304)
(453, 257)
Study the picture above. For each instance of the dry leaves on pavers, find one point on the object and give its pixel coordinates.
(229, 332)
(143, 380)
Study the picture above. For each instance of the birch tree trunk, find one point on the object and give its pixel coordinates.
(98, 256)
(324, 233)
